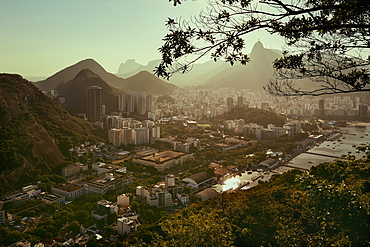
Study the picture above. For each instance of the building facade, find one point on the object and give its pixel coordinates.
(94, 104)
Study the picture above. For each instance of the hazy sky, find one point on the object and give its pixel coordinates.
(41, 37)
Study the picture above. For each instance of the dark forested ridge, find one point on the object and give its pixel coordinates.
(252, 115)
(75, 92)
(35, 132)
(328, 206)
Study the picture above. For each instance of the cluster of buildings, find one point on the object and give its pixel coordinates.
(204, 104)
(163, 195)
(163, 160)
(125, 131)
(342, 107)
(168, 194)
(127, 220)
(109, 177)
(86, 148)
(127, 103)
(238, 126)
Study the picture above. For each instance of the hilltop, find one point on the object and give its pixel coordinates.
(35, 132)
(75, 92)
(197, 75)
(253, 76)
(148, 83)
(71, 72)
(139, 82)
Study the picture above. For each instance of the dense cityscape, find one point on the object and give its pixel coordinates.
(174, 156)
(227, 123)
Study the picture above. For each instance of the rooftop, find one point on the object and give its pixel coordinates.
(163, 156)
(69, 187)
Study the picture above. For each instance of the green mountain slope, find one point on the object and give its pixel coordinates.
(35, 132)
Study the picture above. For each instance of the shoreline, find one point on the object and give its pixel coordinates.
(355, 123)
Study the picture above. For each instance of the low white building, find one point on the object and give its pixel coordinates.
(142, 191)
(196, 180)
(206, 194)
(70, 191)
(127, 224)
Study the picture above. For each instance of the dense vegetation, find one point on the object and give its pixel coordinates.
(35, 132)
(252, 115)
(327, 206)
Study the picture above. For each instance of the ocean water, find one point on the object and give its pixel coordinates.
(352, 135)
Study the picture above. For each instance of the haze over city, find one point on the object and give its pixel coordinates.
(42, 37)
(122, 124)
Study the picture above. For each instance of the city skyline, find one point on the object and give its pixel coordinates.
(41, 37)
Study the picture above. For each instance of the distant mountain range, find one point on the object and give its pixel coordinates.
(148, 83)
(253, 76)
(198, 74)
(218, 74)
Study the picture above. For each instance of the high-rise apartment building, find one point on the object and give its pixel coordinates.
(122, 106)
(94, 104)
(141, 136)
(230, 104)
(130, 103)
(114, 137)
(213, 111)
(240, 101)
(149, 102)
(362, 110)
(126, 136)
(141, 104)
(322, 107)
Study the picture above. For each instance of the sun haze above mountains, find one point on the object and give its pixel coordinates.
(211, 75)
(141, 82)
(135, 77)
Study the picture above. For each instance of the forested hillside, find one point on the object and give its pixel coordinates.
(328, 206)
(35, 132)
(252, 115)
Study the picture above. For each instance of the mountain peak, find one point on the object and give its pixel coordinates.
(128, 66)
(89, 62)
(86, 73)
(257, 47)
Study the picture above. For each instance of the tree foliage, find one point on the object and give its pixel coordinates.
(327, 206)
(328, 41)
